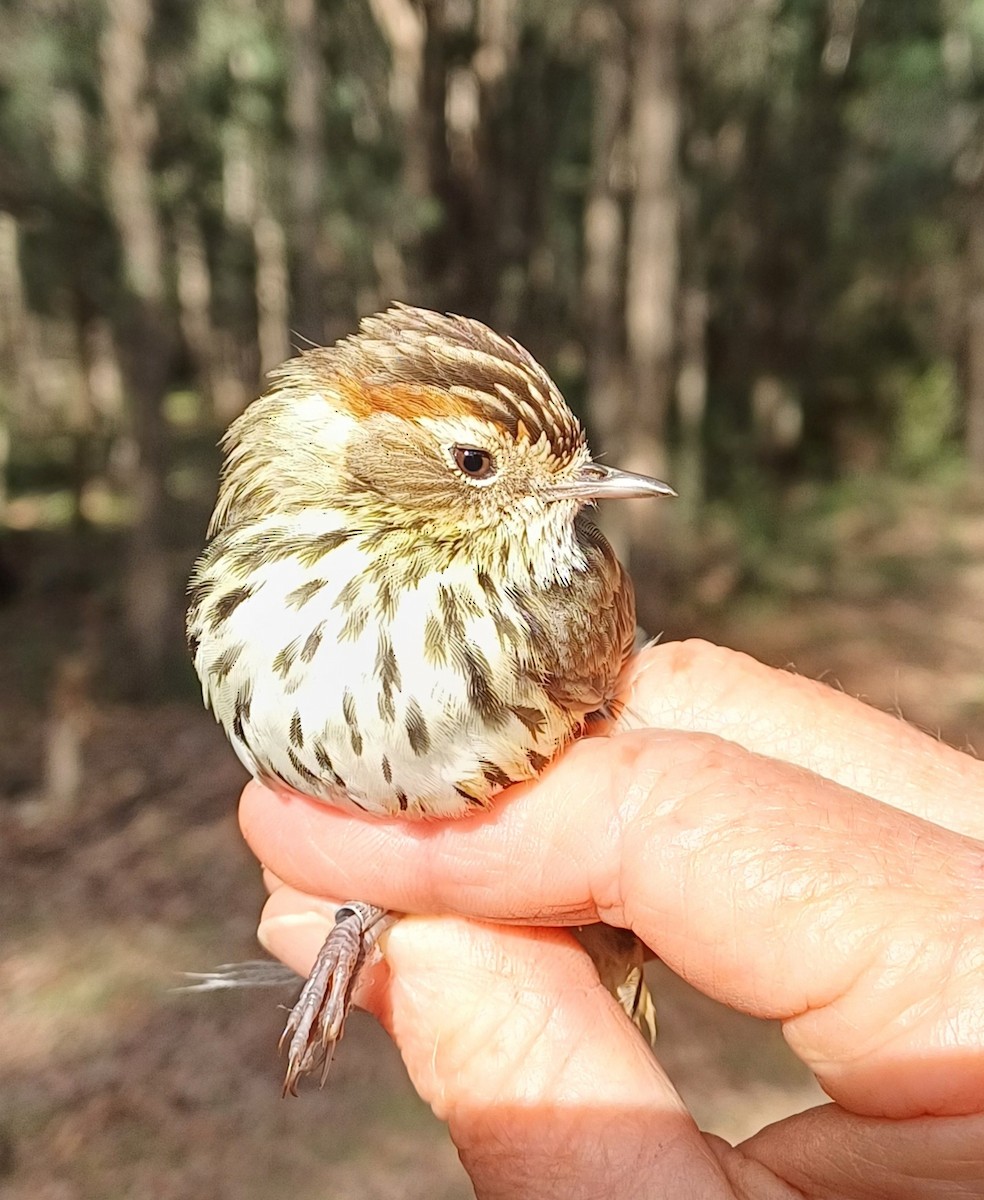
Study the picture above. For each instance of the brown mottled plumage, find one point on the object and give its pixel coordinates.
(403, 605)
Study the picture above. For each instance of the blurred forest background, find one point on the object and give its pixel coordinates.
(747, 239)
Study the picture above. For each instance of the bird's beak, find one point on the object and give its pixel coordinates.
(595, 482)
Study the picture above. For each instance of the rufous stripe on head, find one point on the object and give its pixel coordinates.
(413, 363)
(405, 400)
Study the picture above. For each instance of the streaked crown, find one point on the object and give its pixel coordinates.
(415, 416)
(412, 362)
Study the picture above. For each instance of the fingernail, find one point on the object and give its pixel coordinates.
(272, 929)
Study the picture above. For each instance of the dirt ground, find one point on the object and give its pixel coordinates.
(114, 1086)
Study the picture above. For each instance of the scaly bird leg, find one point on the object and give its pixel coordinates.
(315, 1023)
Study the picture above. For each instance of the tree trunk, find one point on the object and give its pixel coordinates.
(305, 116)
(653, 251)
(691, 396)
(68, 723)
(194, 286)
(272, 291)
(461, 106)
(13, 343)
(437, 244)
(402, 24)
(145, 337)
(13, 373)
(608, 407)
(974, 334)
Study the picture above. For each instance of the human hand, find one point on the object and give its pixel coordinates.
(786, 849)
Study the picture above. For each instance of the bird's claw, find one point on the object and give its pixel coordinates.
(315, 1023)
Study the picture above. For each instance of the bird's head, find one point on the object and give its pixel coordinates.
(418, 421)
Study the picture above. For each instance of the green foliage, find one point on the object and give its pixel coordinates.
(821, 163)
(926, 407)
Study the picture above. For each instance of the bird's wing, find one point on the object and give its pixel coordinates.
(585, 629)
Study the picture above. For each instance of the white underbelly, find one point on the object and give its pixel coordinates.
(415, 711)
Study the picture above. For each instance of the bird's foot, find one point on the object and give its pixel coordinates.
(316, 1021)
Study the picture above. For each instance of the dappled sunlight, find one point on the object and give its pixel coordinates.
(745, 240)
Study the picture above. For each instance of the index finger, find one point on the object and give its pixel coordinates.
(697, 686)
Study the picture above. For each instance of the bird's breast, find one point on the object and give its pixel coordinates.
(377, 683)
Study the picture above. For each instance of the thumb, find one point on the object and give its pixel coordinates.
(509, 1035)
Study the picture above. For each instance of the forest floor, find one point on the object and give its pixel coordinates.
(113, 1085)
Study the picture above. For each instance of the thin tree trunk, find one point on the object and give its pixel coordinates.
(532, 302)
(654, 228)
(81, 418)
(230, 394)
(194, 287)
(438, 245)
(13, 344)
(486, 180)
(691, 395)
(236, 359)
(145, 337)
(305, 116)
(402, 24)
(101, 362)
(15, 348)
(68, 723)
(131, 124)
(272, 293)
(974, 334)
(461, 105)
(609, 411)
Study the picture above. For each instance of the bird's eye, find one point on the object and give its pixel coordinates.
(475, 463)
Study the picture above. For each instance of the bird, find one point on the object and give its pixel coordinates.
(403, 606)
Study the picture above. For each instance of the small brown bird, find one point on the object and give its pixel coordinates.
(402, 607)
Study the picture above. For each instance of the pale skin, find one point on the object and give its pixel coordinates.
(787, 849)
